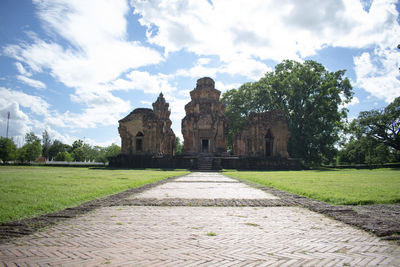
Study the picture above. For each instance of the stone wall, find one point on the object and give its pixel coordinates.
(148, 132)
(265, 135)
(218, 163)
(204, 128)
(148, 161)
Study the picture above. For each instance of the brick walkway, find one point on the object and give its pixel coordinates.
(173, 235)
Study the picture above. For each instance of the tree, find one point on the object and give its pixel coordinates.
(32, 148)
(8, 150)
(374, 136)
(63, 156)
(46, 144)
(55, 148)
(105, 153)
(76, 144)
(113, 150)
(21, 154)
(79, 154)
(79, 150)
(312, 99)
(365, 150)
(100, 154)
(178, 146)
(383, 125)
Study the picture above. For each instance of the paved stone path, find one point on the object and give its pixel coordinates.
(171, 235)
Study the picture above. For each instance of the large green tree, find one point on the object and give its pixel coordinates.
(8, 150)
(312, 99)
(374, 137)
(383, 125)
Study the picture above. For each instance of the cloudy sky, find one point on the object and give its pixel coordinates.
(75, 67)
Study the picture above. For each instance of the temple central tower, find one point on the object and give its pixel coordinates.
(204, 128)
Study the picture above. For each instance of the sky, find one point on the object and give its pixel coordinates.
(76, 67)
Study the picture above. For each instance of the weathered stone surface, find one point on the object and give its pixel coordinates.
(204, 128)
(148, 132)
(265, 135)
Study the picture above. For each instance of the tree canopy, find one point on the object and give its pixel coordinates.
(8, 150)
(46, 144)
(374, 137)
(383, 125)
(312, 99)
(32, 149)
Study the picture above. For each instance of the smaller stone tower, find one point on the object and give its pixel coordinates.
(148, 132)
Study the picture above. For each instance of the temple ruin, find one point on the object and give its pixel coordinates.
(147, 140)
(204, 128)
(265, 134)
(148, 131)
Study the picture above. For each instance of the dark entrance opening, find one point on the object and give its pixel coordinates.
(139, 142)
(269, 144)
(204, 145)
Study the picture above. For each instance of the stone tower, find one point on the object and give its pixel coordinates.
(204, 128)
(148, 132)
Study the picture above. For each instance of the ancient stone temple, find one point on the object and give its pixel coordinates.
(265, 135)
(148, 131)
(204, 128)
(148, 140)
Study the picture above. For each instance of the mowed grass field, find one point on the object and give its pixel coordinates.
(32, 191)
(347, 187)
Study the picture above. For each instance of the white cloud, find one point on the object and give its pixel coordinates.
(21, 107)
(354, 101)
(114, 140)
(378, 73)
(87, 47)
(31, 82)
(225, 87)
(22, 70)
(147, 103)
(243, 33)
(101, 108)
(198, 70)
(144, 81)
(24, 77)
(247, 67)
(36, 104)
(177, 112)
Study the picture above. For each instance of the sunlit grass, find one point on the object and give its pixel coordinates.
(349, 186)
(32, 191)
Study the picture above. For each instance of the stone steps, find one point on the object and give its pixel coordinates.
(205, 164)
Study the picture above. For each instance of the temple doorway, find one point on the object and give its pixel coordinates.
(139, 142)
(204, 145)
(269, 144)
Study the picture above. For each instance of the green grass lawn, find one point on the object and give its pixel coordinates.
(32, 191)
(349, 187)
